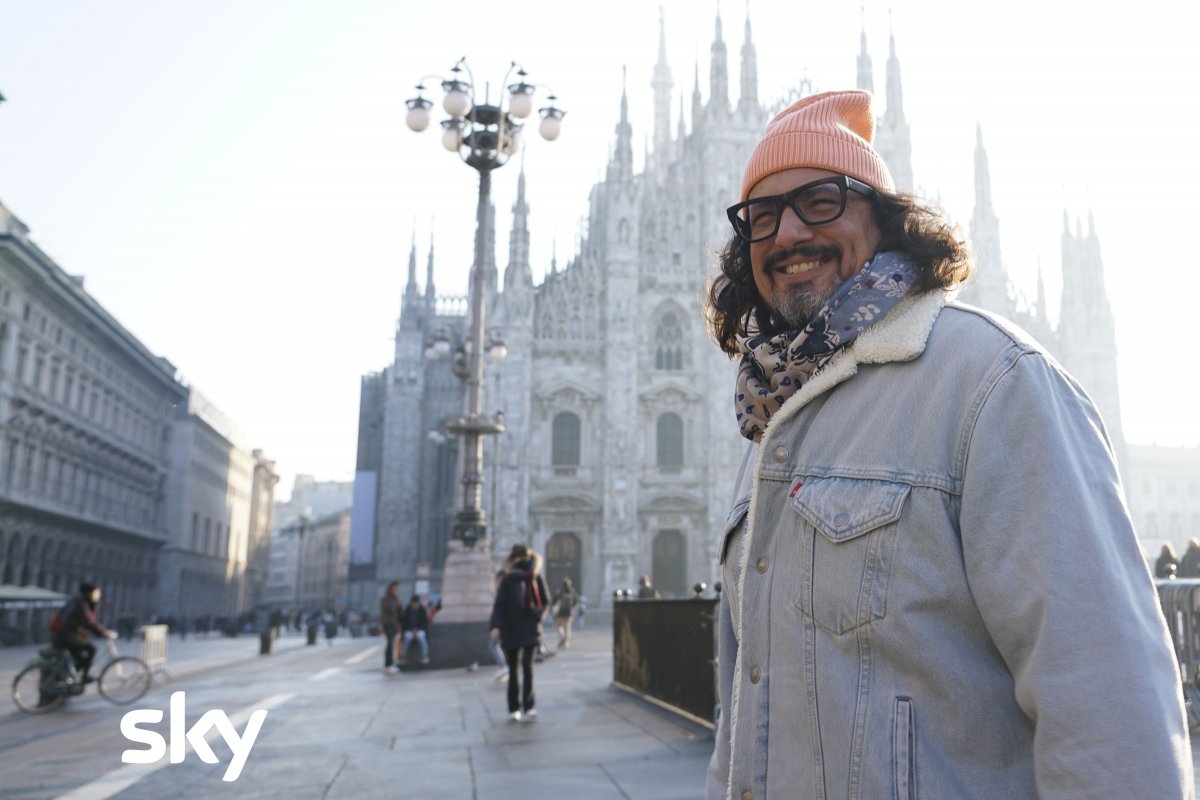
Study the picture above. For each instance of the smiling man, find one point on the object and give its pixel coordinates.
(932, 584)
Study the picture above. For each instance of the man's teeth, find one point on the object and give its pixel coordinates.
(796, 269)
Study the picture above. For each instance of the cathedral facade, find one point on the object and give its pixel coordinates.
(620, 447)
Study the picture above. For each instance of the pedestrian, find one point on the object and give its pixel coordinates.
(896, 619)
(389, 620)
(1167, 565)
(414, 625)
(1189, 564)
(521, 602)
(646, 590)
(565, 604)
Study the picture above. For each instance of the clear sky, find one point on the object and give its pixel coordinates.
(236, 182)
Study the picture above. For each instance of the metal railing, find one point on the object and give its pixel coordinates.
(665, 651)
(1180, 601)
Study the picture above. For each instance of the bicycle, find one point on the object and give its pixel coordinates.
(51, 678)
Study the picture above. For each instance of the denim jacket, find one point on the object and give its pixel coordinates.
(932, 587)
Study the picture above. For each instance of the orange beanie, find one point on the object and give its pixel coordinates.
(832, 130)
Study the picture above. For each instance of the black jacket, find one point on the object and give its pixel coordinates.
(414, 619)
(521, 601)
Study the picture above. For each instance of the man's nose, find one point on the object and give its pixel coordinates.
(792, 229)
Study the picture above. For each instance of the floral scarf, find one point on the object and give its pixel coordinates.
(773, 368)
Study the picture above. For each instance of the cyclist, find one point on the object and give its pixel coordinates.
(78, 623)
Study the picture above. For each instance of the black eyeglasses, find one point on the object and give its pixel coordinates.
(815, 203)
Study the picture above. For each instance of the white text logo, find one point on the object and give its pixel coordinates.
(194, 736)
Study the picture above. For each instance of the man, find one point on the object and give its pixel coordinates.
(646, 590)
(896, 619)
(414, 623)
(76, 624)
(565, 603)
(389, 620)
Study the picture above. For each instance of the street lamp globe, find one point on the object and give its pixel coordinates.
(457, 102)
(418, 113)
(452, 136)
(551, 124)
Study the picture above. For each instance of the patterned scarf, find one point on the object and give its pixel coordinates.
(773, 368)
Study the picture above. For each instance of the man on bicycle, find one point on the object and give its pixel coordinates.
(77, 624)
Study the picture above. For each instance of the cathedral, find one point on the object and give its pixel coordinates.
(619, 452)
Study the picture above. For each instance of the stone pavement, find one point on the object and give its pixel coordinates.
(341, 728)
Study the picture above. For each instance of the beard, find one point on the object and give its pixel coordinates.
(796, 306)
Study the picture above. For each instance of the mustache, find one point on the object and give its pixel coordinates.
(808, 252)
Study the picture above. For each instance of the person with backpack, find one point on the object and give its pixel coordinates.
(71, 628)
(521, 602)
(565, 604)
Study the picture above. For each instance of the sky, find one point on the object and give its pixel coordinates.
(236, 183)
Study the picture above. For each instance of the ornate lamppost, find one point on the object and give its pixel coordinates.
(484, 135)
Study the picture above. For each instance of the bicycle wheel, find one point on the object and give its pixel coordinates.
(124, 680)
(36, 690)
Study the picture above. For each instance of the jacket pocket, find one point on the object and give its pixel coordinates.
(737, 515)
(904, 753)
(852, 526)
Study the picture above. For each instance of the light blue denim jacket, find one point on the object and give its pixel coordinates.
(932, 587)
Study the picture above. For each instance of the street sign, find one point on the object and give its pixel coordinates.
(424, 570)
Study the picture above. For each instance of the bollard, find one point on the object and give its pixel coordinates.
(312, 634)
(266, 641)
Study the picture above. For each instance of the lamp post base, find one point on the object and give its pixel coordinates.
(467, 583)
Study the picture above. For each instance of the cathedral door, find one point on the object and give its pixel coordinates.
(669, 569)
(563, 553)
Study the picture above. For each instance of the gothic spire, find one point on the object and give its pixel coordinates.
(697, 104)
(622, 161)
(662, 86)
(718, 76)
(410, 304)
(519, 272)
(895, 95)
(430, 291)
(892, 134)
(989, 286)
(866, 78)
(411, 288)
(748, 101)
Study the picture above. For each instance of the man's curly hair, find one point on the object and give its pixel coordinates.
(907, 225)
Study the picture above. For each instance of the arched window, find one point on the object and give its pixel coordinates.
(564, 441)
(670, 441)
(668, 339)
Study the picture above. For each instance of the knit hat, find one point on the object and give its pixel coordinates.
(832, 130)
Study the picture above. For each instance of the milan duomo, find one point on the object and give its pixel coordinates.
(620, 445)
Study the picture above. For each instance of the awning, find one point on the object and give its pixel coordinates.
(12, 596)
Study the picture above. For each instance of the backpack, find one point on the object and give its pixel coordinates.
(58, 620)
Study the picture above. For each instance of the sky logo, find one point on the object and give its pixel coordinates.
(195, 736)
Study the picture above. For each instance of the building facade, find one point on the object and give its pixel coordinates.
(258, 547)
(202, 568)
(620, 449)
(86, 432)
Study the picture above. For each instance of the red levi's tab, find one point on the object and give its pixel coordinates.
(796, 488)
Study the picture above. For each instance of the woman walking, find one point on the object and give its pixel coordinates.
(516, 622)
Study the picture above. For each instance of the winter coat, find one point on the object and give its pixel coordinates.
(389, 611)
(932, 586)
(521, 601)
(414, 619)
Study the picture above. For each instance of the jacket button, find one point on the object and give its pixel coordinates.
(841, 521)
(762, 565)
(755, 675)
(781, 454)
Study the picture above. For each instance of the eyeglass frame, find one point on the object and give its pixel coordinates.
(788, 200)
